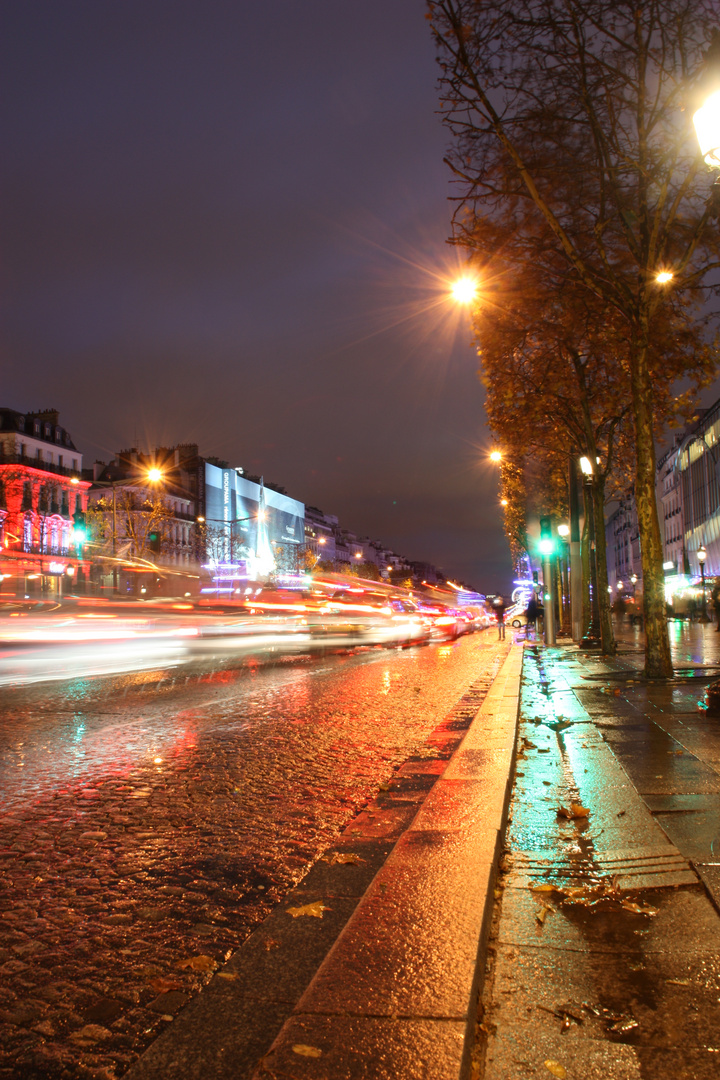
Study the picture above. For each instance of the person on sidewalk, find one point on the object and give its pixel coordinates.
(531, 613)
(499, 607)
(715, 597)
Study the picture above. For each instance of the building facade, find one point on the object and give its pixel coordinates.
(41, 493)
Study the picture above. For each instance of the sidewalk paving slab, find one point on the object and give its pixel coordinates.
(577, 987)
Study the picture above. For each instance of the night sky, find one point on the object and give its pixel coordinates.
(226, 223)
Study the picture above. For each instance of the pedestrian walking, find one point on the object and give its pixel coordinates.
(531, 613)
(499, 606)
(715, 598)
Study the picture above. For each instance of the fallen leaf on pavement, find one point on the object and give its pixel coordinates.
(306, 1051)
(162, 985)
(227, 975)
(556, 1069)
(542, 914)
(577, 810)
(639, 909)
(91, 1033)
(679, 982)
(344, 857)
(542, 888)
(315, 910)
(198, 963)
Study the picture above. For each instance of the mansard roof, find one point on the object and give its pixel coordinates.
(46, 421)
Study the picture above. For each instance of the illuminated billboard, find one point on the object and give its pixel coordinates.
(248, 527)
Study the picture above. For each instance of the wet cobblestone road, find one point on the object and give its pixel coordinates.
(149, 822)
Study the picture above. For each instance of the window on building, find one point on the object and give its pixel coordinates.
(60, 459)
(74, 465)
(38, 454)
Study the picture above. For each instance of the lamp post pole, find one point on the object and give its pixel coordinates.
(591, 640)
(575, 554)
(701, 557)
(114, 541)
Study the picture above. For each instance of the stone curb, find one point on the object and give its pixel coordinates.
(385, 983)
(396, 996)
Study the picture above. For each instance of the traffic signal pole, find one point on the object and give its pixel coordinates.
(549, 601)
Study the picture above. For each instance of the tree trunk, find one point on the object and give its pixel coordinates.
(607, 637)
(658, 662)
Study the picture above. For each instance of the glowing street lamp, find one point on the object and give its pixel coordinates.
(496, 455)
(464, 290)
(707, 128)
(154, 475)
(664, 276)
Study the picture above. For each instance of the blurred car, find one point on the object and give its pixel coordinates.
(516, 616)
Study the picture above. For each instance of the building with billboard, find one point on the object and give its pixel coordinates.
(251, 532)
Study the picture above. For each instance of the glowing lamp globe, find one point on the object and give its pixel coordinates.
(154, 475)
(464, 290)
(707, 127)
(546, 547)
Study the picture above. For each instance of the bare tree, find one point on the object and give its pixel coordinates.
(568, 115)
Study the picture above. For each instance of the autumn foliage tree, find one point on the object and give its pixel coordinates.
(568, 121)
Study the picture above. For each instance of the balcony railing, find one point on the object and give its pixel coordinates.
(34, 463)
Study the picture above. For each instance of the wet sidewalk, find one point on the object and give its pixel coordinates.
(605, 953)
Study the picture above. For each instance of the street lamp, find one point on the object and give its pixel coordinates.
(464, 290)
(154, 475)
(701, 557)
(496, 455)
(591, 640)
(707, 127)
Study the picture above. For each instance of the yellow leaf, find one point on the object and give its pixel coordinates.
(577, 810)
(344, 857)
(315, 909)
(542, 914)
(198, 963)
(556, 1069)
(542, 888)
(306, 1051)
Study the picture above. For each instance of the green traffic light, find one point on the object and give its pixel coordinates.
(546, 547)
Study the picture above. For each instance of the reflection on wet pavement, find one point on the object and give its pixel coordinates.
(151, 821)
(605, 959)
